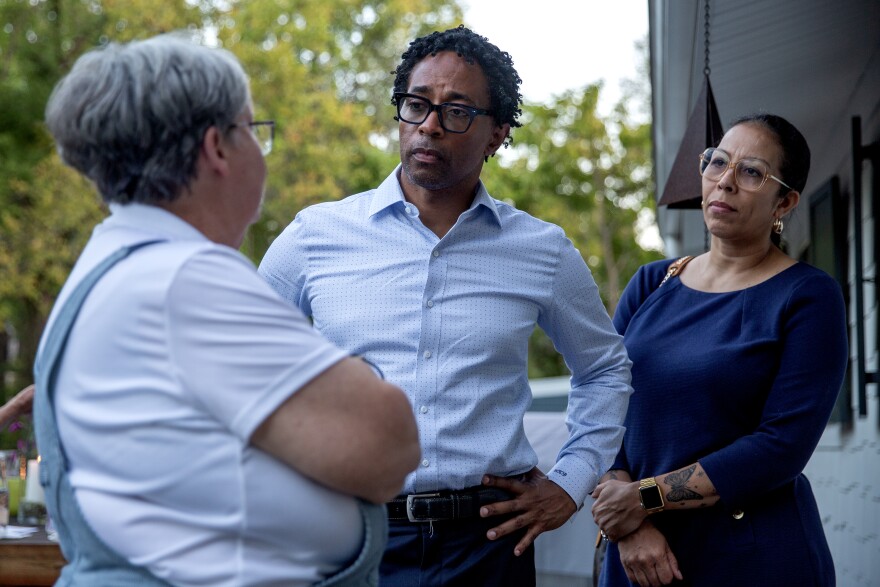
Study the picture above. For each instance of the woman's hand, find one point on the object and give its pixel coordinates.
(617, 510)
(646, 557)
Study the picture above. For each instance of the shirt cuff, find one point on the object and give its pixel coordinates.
(567, 473)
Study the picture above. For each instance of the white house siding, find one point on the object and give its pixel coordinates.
(845, 469)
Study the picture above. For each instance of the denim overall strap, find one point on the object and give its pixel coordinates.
(90, 561)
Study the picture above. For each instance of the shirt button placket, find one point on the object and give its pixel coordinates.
(425, 394)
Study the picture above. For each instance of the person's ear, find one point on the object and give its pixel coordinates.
(215, 151)
(499, 134)
(787, 203)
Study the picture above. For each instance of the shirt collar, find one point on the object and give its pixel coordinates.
(389, 193)
(151, 219)
(484, 199)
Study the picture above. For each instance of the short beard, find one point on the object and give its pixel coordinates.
(428, 183)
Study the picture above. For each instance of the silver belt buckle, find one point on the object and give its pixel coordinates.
(409, 504)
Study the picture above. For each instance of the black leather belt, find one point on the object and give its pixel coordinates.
(444, 505)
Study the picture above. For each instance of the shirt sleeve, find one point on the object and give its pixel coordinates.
(578, 324)
(284, 265)
(799, 403)
(237, 348)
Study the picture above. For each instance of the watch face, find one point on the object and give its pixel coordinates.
(651, 498)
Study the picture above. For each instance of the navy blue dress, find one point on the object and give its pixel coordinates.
(743, 382)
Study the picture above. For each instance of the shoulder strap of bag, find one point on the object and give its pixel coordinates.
(676, 268)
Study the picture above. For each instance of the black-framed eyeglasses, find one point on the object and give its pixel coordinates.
(454, 118)
(749, 174)
(264, 132)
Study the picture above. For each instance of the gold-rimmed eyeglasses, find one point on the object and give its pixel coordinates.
(264, 132)
(749, 174)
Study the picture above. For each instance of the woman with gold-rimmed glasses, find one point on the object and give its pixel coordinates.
(738, 356)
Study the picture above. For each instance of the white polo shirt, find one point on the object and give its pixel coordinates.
(179, 353)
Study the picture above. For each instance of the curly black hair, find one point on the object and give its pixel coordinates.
(497, 65)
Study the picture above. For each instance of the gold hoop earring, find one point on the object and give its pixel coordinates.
(778, 225)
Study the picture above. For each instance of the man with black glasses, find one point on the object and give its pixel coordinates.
(440, 286)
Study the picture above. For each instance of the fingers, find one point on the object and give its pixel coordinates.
(511, 525)
(655, 574)
(526, 541)
(673, 564)
(538, 505)
(647, 558)
(645, 577)
(637, 576)
(614, 530)
(507, 483)
(514, 486)
(616, 509)
(499, 508)
(534, 530)
(616, 521)
(504, 507)
(663, 573)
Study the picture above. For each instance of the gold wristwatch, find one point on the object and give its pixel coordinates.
(650, 496)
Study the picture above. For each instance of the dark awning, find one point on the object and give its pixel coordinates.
(683, 186)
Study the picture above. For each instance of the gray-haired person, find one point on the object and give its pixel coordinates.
(194, 428)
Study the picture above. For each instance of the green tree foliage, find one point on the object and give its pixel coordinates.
(592, 176)
(39, 41)
(46, 210)
(43, 233)
(322, 70)
(589, 174)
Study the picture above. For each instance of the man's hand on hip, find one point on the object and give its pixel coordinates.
(541, 504)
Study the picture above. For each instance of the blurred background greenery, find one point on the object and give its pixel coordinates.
(321, 70)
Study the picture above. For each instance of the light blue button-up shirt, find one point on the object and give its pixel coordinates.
(449, 319)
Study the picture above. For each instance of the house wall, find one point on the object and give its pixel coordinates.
(845, 469)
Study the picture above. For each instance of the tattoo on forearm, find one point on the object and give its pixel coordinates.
(677, 481)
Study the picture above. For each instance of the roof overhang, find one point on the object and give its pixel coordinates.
(806, 60)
